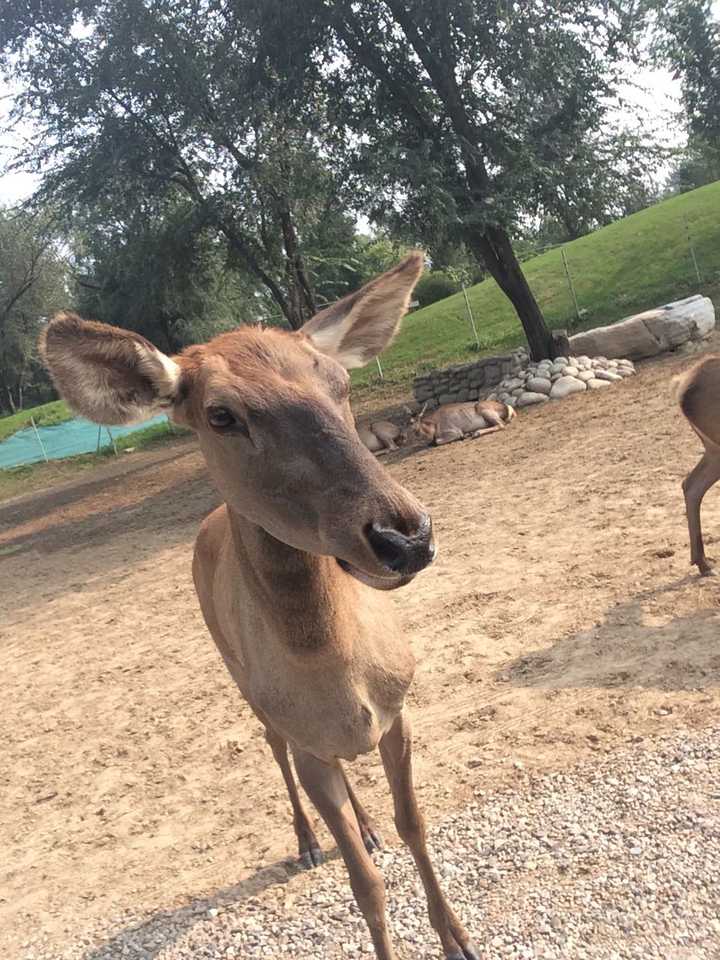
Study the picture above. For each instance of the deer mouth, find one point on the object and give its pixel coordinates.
(388, 581)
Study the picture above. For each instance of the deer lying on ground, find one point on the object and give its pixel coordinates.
(381, 436)
(292, 570)
(699, 396)
(456, 421)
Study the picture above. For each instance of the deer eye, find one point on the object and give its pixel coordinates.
(220, 418)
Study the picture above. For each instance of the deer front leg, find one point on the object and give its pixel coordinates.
(483, 430)
(695, 486)
(396, 752)
(310, 854)
(325, 785)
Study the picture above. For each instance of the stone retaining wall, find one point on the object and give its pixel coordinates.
(678, 324)
(466, 381)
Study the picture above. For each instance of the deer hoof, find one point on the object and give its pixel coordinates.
(469, 952)
(311, 858)
(371, 837)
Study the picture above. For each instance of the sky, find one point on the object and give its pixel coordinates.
(657, 100)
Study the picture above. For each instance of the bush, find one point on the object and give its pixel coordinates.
(433, 286)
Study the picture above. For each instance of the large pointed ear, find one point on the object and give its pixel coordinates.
(360, 326)
(106, 374)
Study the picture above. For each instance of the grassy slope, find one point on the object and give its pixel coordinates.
(635, 264)
(46, 415)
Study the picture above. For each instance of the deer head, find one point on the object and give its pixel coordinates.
(272, 415)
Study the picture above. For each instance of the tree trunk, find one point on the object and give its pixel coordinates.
(246, 254)
(299, 290)
(495, 250)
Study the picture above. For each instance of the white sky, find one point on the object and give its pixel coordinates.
(657, 101)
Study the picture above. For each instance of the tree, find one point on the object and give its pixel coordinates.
(606, 177)
(162, 272)
(696, 165)
(134, 101)
(32, 286)
(688, 41)
(464, 115)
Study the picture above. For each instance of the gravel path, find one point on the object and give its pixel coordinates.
(618, 859)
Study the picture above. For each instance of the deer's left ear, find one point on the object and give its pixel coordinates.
(361, 325)
(106, 374)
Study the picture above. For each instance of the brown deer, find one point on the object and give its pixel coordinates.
(457, 421)
(292, 570)
(381, 436)
(699, 396)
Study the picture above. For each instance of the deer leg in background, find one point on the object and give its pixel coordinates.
(695, 486)
(309, 851)
(368, 829)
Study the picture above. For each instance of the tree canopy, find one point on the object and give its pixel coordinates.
(463, 116)
(451, 122)
(33, 284)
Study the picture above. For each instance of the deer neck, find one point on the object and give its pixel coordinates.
(301, 593)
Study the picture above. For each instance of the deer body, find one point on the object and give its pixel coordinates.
(456, 421)
(283, 641)
(292, 570)
(381, 436)
(699, 397)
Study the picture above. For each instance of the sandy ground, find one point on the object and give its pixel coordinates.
(561, 620)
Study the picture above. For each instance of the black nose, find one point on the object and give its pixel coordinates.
(402, 553)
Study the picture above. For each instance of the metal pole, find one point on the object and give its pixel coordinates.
(377, 361)
(40, 443)
(471, 317)
(692, 253)
(97, 448)
(570, 283)
(112, 440)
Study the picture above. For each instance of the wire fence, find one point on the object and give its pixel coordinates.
(35, 444)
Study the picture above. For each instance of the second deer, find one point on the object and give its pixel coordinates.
(699, 396)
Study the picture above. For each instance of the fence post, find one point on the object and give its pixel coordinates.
(40, 443)
(470, 316)
(570, 283)
(112, 440)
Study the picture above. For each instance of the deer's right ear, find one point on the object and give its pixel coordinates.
(106, 374)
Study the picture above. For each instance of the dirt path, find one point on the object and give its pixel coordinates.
(560, 621)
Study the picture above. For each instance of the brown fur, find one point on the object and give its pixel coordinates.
(699, 398)
(457, 421)
(381, 436)
(284, 568)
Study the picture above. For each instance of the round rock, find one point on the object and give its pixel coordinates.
(607, 375)
(529, 398)
(539, 385)
(596, 383)
(565, 386)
